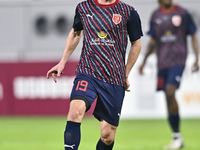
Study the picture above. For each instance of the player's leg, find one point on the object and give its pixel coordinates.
(172, 107)
(106, 141)
(82, 96)
(72, 134)
(107, 111)
(77, 110)
(173, 82)
(173, 118)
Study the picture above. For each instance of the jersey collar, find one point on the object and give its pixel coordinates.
(168, 11)
(104, 5)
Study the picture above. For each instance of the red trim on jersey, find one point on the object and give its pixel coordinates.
(164, 11)
(103, 47)
(105, 5)
(119, 54)
(95, 49)
(97, 53)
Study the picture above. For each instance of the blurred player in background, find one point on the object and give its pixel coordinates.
(169, 26)
(101, 71)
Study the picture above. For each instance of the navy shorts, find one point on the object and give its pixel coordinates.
(109, 97)
(169, 76)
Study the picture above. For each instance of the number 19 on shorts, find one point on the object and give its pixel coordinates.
(82, 85)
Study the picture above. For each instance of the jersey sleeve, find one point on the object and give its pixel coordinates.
(191, 28)
(77, 24)
(150, 32)
(134, 26)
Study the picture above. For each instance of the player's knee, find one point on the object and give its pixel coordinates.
(171, 101)
(108, 136)
(170, 92)
(75, 115)
(76, 111)
(170, 95)
(107, 140)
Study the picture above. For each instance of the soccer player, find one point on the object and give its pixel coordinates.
(101, 72)
(169, 26)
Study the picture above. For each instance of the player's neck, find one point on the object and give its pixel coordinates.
(168, 9)
(106, 2)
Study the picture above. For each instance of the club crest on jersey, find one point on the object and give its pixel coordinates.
(116, 18)
(176, 20)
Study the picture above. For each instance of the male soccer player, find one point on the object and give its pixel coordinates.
(101, 71)
(169, 26)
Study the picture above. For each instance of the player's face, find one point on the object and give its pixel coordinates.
(166, 3)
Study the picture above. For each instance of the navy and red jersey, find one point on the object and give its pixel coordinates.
(106, 29)
(170, 30)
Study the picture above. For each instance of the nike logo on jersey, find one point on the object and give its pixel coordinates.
(71, 146)
(88, 15)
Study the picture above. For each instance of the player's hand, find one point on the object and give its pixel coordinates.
(56, 71)
(141, 69)
(127, 85)
(195, 67)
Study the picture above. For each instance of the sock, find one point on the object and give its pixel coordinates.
(176, 135)
(102, 146)
(174, 121)
(72, 135)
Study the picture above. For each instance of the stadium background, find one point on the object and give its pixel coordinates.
(33, 109)
(32, 39)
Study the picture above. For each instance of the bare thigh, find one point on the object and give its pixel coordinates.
(76, 111)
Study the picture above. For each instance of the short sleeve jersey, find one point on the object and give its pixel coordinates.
(106, 29)
(170, 30)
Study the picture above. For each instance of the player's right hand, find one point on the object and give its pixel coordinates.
(141, 69)
(195, 67)
(56, 71)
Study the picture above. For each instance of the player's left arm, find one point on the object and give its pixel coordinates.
(132, 57)
(196, 52)
(134, 29)
(191, 29)
(71, 43)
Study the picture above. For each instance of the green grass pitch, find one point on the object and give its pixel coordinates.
(46, 133)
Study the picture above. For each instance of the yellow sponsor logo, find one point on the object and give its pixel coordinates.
(168, 32)
(102, 34)
(191, 98)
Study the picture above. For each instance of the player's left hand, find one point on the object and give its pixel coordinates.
(195, 67)
(127, 85)
(56, 71)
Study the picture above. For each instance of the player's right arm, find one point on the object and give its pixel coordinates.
(196, 52)
(71, 43)
(150, 48)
